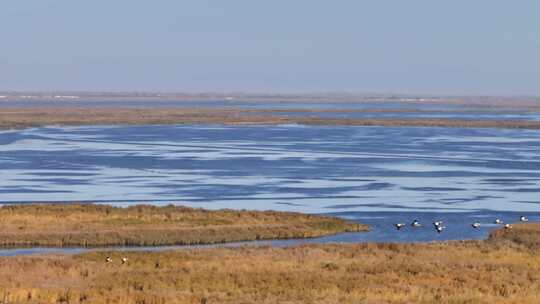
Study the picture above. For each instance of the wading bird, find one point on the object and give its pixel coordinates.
(416, 224)
(439, 228)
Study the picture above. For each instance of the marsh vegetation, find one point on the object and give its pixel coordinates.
(90, 225)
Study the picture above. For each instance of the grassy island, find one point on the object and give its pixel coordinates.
(503, 269)
(88, 225)
(18, 118)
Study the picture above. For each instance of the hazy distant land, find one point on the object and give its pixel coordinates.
(32, 109)
(469, 101)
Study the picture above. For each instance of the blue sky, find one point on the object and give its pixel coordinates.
(413, 46)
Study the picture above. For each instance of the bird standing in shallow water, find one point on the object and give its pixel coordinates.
(439, 228)
(416, 224)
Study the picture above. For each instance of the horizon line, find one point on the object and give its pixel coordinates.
(260, 93)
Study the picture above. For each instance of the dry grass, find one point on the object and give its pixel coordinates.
(99, 225)
(525, 234)
(33, 117)
(434, 122)
(495, 271)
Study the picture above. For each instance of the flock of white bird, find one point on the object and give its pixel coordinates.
(439, 227)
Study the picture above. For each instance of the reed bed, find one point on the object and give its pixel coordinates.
(89, 225)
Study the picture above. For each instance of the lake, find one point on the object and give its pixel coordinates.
(377, 175)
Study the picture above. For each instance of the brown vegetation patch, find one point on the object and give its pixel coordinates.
(413, 122)
(34, 117)
(91, 225)
(523, 234)
(452, 272)
(15, 118)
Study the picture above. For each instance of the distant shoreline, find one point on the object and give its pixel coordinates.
(20, 118)
(486, 100)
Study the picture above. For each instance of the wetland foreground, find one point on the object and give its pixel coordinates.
(503, 269)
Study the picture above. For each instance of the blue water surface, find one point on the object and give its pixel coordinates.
(376, 175)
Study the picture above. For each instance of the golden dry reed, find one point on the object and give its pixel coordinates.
(88, 225)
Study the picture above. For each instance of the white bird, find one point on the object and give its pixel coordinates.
(507, 226)
(124, 260)
(440, 228)
(476, 225)
(437, 223)
(523, 218)
(416, 223)
(498, 221)
(399, 226)
(108, 259)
